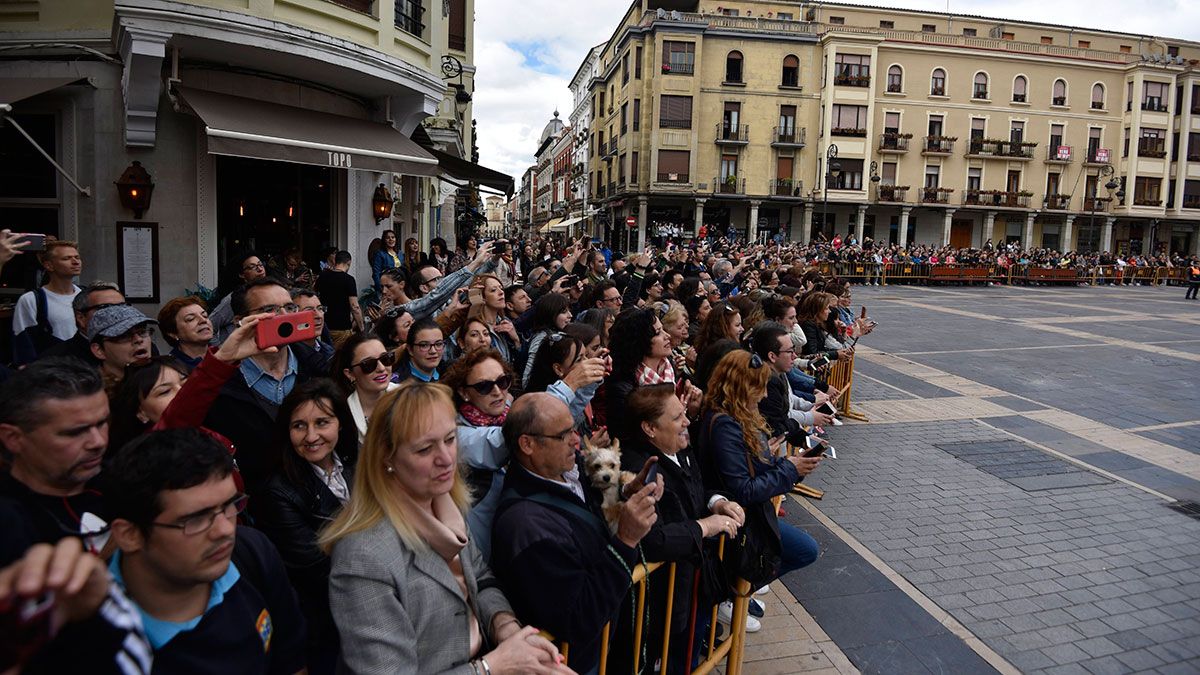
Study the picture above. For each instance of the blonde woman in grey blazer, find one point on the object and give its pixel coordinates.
(410, 593)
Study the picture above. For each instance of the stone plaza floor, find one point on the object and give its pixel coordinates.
(1018, 501)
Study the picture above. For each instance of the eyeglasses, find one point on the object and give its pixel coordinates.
(484, 387)
(432, 280)
(199, 523)
(102, 305)
(612, 298)
(431, 346)
(289, 308)
(135, 334)
(368, 365)
(564, 436)
(318, 308)
(253, 266)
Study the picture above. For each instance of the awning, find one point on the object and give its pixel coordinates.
(13, 89)
(569, 222)
(244, 127)
(552, 224)
(462, 169)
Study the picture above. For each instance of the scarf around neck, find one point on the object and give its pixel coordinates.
(481, 419)
(663, 374)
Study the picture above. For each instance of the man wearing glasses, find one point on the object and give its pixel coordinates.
(248, 267)
(212, 596)
(120, 336)
(244, 411)
(95, 296)
(315, 353)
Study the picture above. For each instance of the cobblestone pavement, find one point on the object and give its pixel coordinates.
(1016, 483)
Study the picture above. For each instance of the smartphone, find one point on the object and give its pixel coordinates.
(820, 361)
(652, 473)
(474, 295)
(37, 242)
(816, 447)
(500, 247)
(285, 329)
(569, 279)
(25, 627)
(828, 409)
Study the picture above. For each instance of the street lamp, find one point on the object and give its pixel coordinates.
(833, 169)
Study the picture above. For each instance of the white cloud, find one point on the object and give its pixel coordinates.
(515, 95)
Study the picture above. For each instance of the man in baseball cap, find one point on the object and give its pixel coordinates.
(120, 336)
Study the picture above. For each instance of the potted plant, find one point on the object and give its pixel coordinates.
(666, 68)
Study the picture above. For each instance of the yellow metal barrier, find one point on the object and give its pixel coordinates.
(904, 273)
(1172, 276)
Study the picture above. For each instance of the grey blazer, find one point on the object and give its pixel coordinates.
(399, 611)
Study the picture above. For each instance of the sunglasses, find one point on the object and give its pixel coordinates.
(484, 387)
(368, 365)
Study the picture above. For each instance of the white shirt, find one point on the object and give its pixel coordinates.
(334, 480)
(360, 418)
(58, 311)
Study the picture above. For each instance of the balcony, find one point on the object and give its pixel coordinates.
(729, 185)
(1018, 98)
(997, 198)
(937, 91)
(1095, 157)
(848, 131)
(893, 142)
(733, 134)
(1096, 204)
(998, 147)
(1052, 156)
(786, 187)
(894, 88)
(1057, 202)
(678, 68)
(408, 15)
(1152, 147)
(1060, 101)
(936, 195)
(938, 145)
(847, 80)
(789, 137)
(1154, 105)
(1018, 149)
(1097, 105)
(892, 193)
(674, 178)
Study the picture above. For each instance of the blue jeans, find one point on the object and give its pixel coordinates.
(799, 548)
(802, 384)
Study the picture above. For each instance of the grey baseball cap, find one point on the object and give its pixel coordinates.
(115, 321)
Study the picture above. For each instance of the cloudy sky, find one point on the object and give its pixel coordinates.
(527, 50)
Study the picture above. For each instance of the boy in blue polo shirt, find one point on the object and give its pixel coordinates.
(213, 597)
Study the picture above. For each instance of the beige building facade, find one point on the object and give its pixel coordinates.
(777, 118)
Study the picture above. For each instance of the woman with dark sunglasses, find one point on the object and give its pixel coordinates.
(362, 367)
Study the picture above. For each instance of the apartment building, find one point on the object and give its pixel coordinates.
(805, 120)
(230, 126)
(581, 118)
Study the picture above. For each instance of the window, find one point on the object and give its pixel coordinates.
(731, 122)
(849, 120)
(1014, 180)
(675, 112)
(1016, 132)
(850, 177)
(624, 118)
(1153, 143)
(936, 125)
(888, 25)
(784, 168)
(1125, 143)
(787, 123)
(625, 69)
(969, 32)
(621, 169)
(888, 175)
(1059, 92)
(1175, 145)
(673, 166)
(895, 79)
(728, 12)
(1085, 44)
(932, 173)
(1172, 50)
(791, 71)
(1154, 96)
(928, 28)
(633, 167)
(1126, 49)
(837, 20)
(784, 16)
(1053, 181)
(637, 64)
(974, 179)
(1056, 137)
(733, 67)
(1007, 36)
(852, 69)
(637, 114)
(981, 86)
(1178, 100)
(1020, 89)
(1047, 40)
(729, 167)
(978, 129)
(937, 83)
(408, 19)
(679, 58)
(891, 123)
(1093, 142)
(1097, 96)
(600, 108)
(1193, 147)
(1146, 192)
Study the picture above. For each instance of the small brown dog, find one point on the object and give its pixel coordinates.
(603, 467)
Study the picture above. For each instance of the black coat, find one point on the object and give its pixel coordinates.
(776, 406)
(815, 335)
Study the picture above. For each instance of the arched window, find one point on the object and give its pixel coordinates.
(733, 67)
(981, 88)
(895, 81)
(1060, 93)
(1020, 87)
(791, 71)
(1097, 96)
(937, 83)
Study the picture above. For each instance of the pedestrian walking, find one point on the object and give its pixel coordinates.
(1193, 279)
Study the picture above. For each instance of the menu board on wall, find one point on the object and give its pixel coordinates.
(137, 261)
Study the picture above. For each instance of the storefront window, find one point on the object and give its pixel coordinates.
(29, 199)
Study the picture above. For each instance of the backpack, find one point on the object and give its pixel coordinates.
(37, 338)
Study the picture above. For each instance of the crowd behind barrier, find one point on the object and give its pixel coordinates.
(531, 457)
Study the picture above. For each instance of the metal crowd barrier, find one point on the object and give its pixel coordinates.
(841, 375)
(1172, 276)
(732, 649)
(904, 273)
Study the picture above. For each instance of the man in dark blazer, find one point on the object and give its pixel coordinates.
(559, 565)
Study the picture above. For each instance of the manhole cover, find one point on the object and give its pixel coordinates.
(1022, 465)
(1190, 509)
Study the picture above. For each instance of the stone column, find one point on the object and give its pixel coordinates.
(904, 211)
(643, 208)
(796, 231)
(947, 220)
(699, 215)
(1106, 234)
(752, 223)
(860, 219)
(806, 224)
(1067, 232)
(989, 227)
(1196, 242)
(1027, 240)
